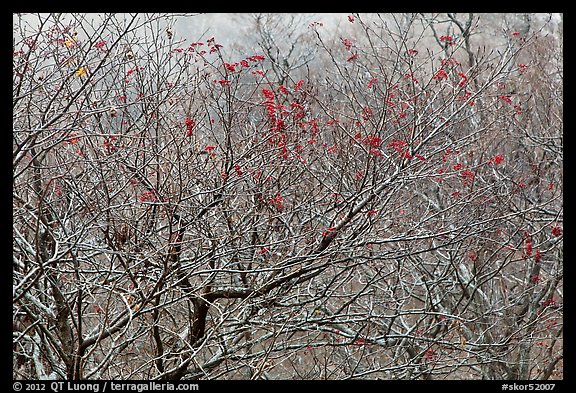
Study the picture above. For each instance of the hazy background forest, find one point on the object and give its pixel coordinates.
(288, 196)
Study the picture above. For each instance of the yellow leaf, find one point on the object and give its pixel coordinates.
(70, 43)
(81, 71)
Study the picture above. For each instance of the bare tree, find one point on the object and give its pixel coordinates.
(378, 204)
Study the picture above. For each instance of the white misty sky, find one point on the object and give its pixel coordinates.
(227, 27)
